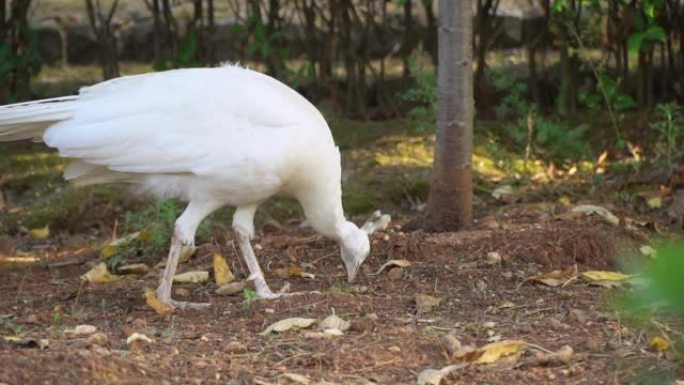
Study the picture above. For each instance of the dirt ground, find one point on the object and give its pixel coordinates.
(390, 340)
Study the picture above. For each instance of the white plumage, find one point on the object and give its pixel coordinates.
(210, 136)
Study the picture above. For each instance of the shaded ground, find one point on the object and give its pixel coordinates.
(388, 343)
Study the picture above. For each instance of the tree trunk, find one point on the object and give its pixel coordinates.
(210, 41)
(450, 202)
(15, 80)
(408, 37)
(101, 25)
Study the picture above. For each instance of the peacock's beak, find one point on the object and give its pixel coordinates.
(351, 273)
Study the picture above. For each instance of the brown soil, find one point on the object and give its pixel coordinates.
(388, 343)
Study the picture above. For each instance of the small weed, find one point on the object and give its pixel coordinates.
(5, 320)
(670, 128)
(341, 289)
(170, 330)
(249, 297)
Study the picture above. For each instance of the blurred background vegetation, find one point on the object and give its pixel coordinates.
(566, 90)
(564, 79)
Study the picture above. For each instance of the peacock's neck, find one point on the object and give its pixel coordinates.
(323, 210)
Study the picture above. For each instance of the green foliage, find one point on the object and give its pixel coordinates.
(552, 139)
(424, 94)
(670, 128)
(648, 33)
(6, 322)
(186, 56)
(28, 57)
(249, 297)
(157, 222)
(610, 87)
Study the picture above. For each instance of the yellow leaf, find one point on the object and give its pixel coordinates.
(495, 350)
(222, 273)
(597, 275)
(40, 233)
(556, 277)
(162, 308)
(146, 235)
(192, 277)
(565, 201)
(289, 323)
(659, 344)
(107, 251)
(100, 274)
(134, 268)
(111, 248)
(292, 272)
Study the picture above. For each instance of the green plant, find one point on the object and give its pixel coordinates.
(670, 128)
(170, 330)
(12, 61)
(423, 96)
(156, 224)
(5, 320)
(548, 138)
(249, 297)
(186, 56)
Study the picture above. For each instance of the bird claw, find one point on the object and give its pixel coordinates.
(165, 297)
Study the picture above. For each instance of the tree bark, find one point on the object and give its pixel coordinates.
(408, 37)
(449, 205)
(101, 25)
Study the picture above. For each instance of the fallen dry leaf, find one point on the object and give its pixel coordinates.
(562, 356)
(425, 303)
(653, 199)
(26, 342)
(98, 338)
(79, 331)
(198, 276)
(377, 221)
(162, 308)
(222, 273)
(458, 352)
(231, 288)
(138, 337)
(496, 350)
(292, 272)
(110, 249)
(435, 376)
(556, 277)
(100, 274)
(659, 344)
(597, 210)
(327, 333)
(40, 233)
(334, 322)
(295, 378)
(289, 323)
(605, 278)
(493, 258)
(392, 263)
(134, 268)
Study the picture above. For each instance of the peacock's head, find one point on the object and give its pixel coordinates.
(355, 248)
